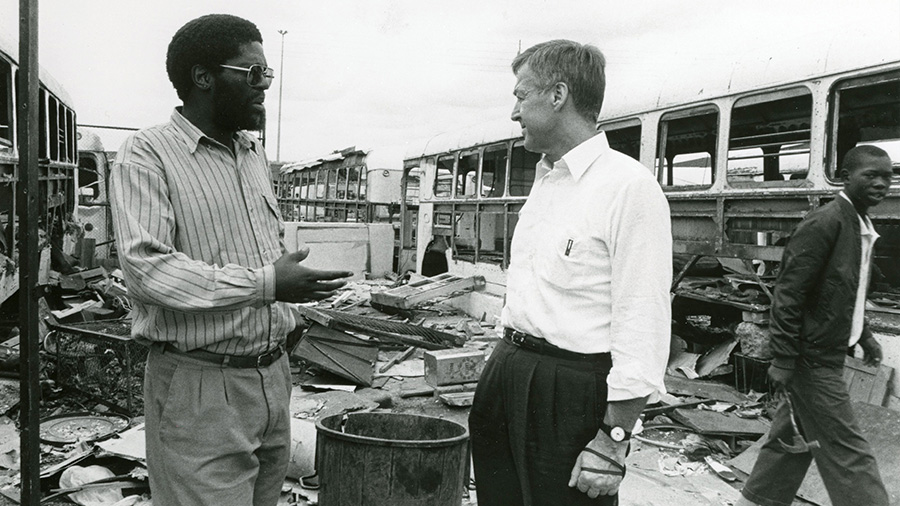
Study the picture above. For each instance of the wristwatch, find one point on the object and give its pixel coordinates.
(616, 433)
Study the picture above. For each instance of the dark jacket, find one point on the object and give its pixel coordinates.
(815, 293)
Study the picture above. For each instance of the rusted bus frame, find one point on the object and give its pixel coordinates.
(733, 212)
(290, 192)
(57, 157)
(455, 205)
(731, 207)
(480, 209)
(755, 199)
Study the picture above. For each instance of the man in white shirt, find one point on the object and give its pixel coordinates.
(587, 312)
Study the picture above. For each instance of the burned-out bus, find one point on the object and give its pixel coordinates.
(58, 162)
(741, 157)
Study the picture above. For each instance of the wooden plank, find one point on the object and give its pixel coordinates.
(704, 389)
(721, 424)
(866, 383)
(411, 335)
(412, 294)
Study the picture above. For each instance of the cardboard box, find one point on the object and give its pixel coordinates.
(450, 367)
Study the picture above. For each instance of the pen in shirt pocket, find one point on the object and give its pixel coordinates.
(569, 247)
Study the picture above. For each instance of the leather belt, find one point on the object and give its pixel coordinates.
(237, 361)
(541, 346)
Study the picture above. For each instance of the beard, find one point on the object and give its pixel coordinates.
(234, 113)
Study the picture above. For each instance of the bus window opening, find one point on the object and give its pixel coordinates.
(625, 140)
(493, 171)
(687, 144)
(868, 113)
(6, 109)
(465, 175)
(522, 170)
(464, 236)
(443, 181)
(769, 137)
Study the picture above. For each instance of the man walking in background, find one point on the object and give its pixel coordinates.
(818, 311)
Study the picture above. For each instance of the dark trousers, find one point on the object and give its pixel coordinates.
(532, 416)
(823, 411)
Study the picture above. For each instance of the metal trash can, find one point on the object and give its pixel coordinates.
(391, 459)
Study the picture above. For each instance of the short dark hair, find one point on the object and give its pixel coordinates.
(208, 41)
(857, 156)
(580, 66)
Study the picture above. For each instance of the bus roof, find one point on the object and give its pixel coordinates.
(761, 68)
(9, 51)
(381, 158)
(474, 135)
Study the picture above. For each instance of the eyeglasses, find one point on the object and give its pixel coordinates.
(257, 75)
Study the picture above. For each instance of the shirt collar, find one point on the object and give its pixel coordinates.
(865, 224)
(193, 135)
(581, 157)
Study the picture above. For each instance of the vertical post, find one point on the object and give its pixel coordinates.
(280, 90)
(29, 257)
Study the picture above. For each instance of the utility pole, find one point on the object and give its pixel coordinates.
(280, 90)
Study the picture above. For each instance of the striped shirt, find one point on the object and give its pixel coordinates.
(198, 230)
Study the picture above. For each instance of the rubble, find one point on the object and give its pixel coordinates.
(426, 359)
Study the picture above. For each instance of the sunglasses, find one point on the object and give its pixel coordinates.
(257, 75)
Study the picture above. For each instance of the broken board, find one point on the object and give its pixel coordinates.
(880, 426)
(410, 335)
(414, 293)
(339, 353)
(866, 383)
(713, 423)
(704, 389)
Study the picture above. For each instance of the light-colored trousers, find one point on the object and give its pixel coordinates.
(216, 436)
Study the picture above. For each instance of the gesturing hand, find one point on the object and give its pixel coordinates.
(296, 283)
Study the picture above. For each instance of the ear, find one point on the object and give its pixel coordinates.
(845, 175)
(560, 95)
(202, 78)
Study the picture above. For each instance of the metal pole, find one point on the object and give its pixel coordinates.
(280, 89)
(27, 109)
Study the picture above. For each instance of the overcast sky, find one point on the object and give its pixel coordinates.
(376, 73)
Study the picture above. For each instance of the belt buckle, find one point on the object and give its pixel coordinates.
(518, 337)
(267, 357)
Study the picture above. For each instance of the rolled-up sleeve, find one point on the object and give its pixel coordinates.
(641, 265)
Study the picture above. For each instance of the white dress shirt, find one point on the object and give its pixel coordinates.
(867, 237)
(591, 265)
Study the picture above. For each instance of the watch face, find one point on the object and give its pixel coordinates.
(617, 434)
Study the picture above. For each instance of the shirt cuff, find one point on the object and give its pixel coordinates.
(265, 283)
(634, 391)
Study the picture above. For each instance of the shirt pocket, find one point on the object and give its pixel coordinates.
(272, 204)
(565, 260)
